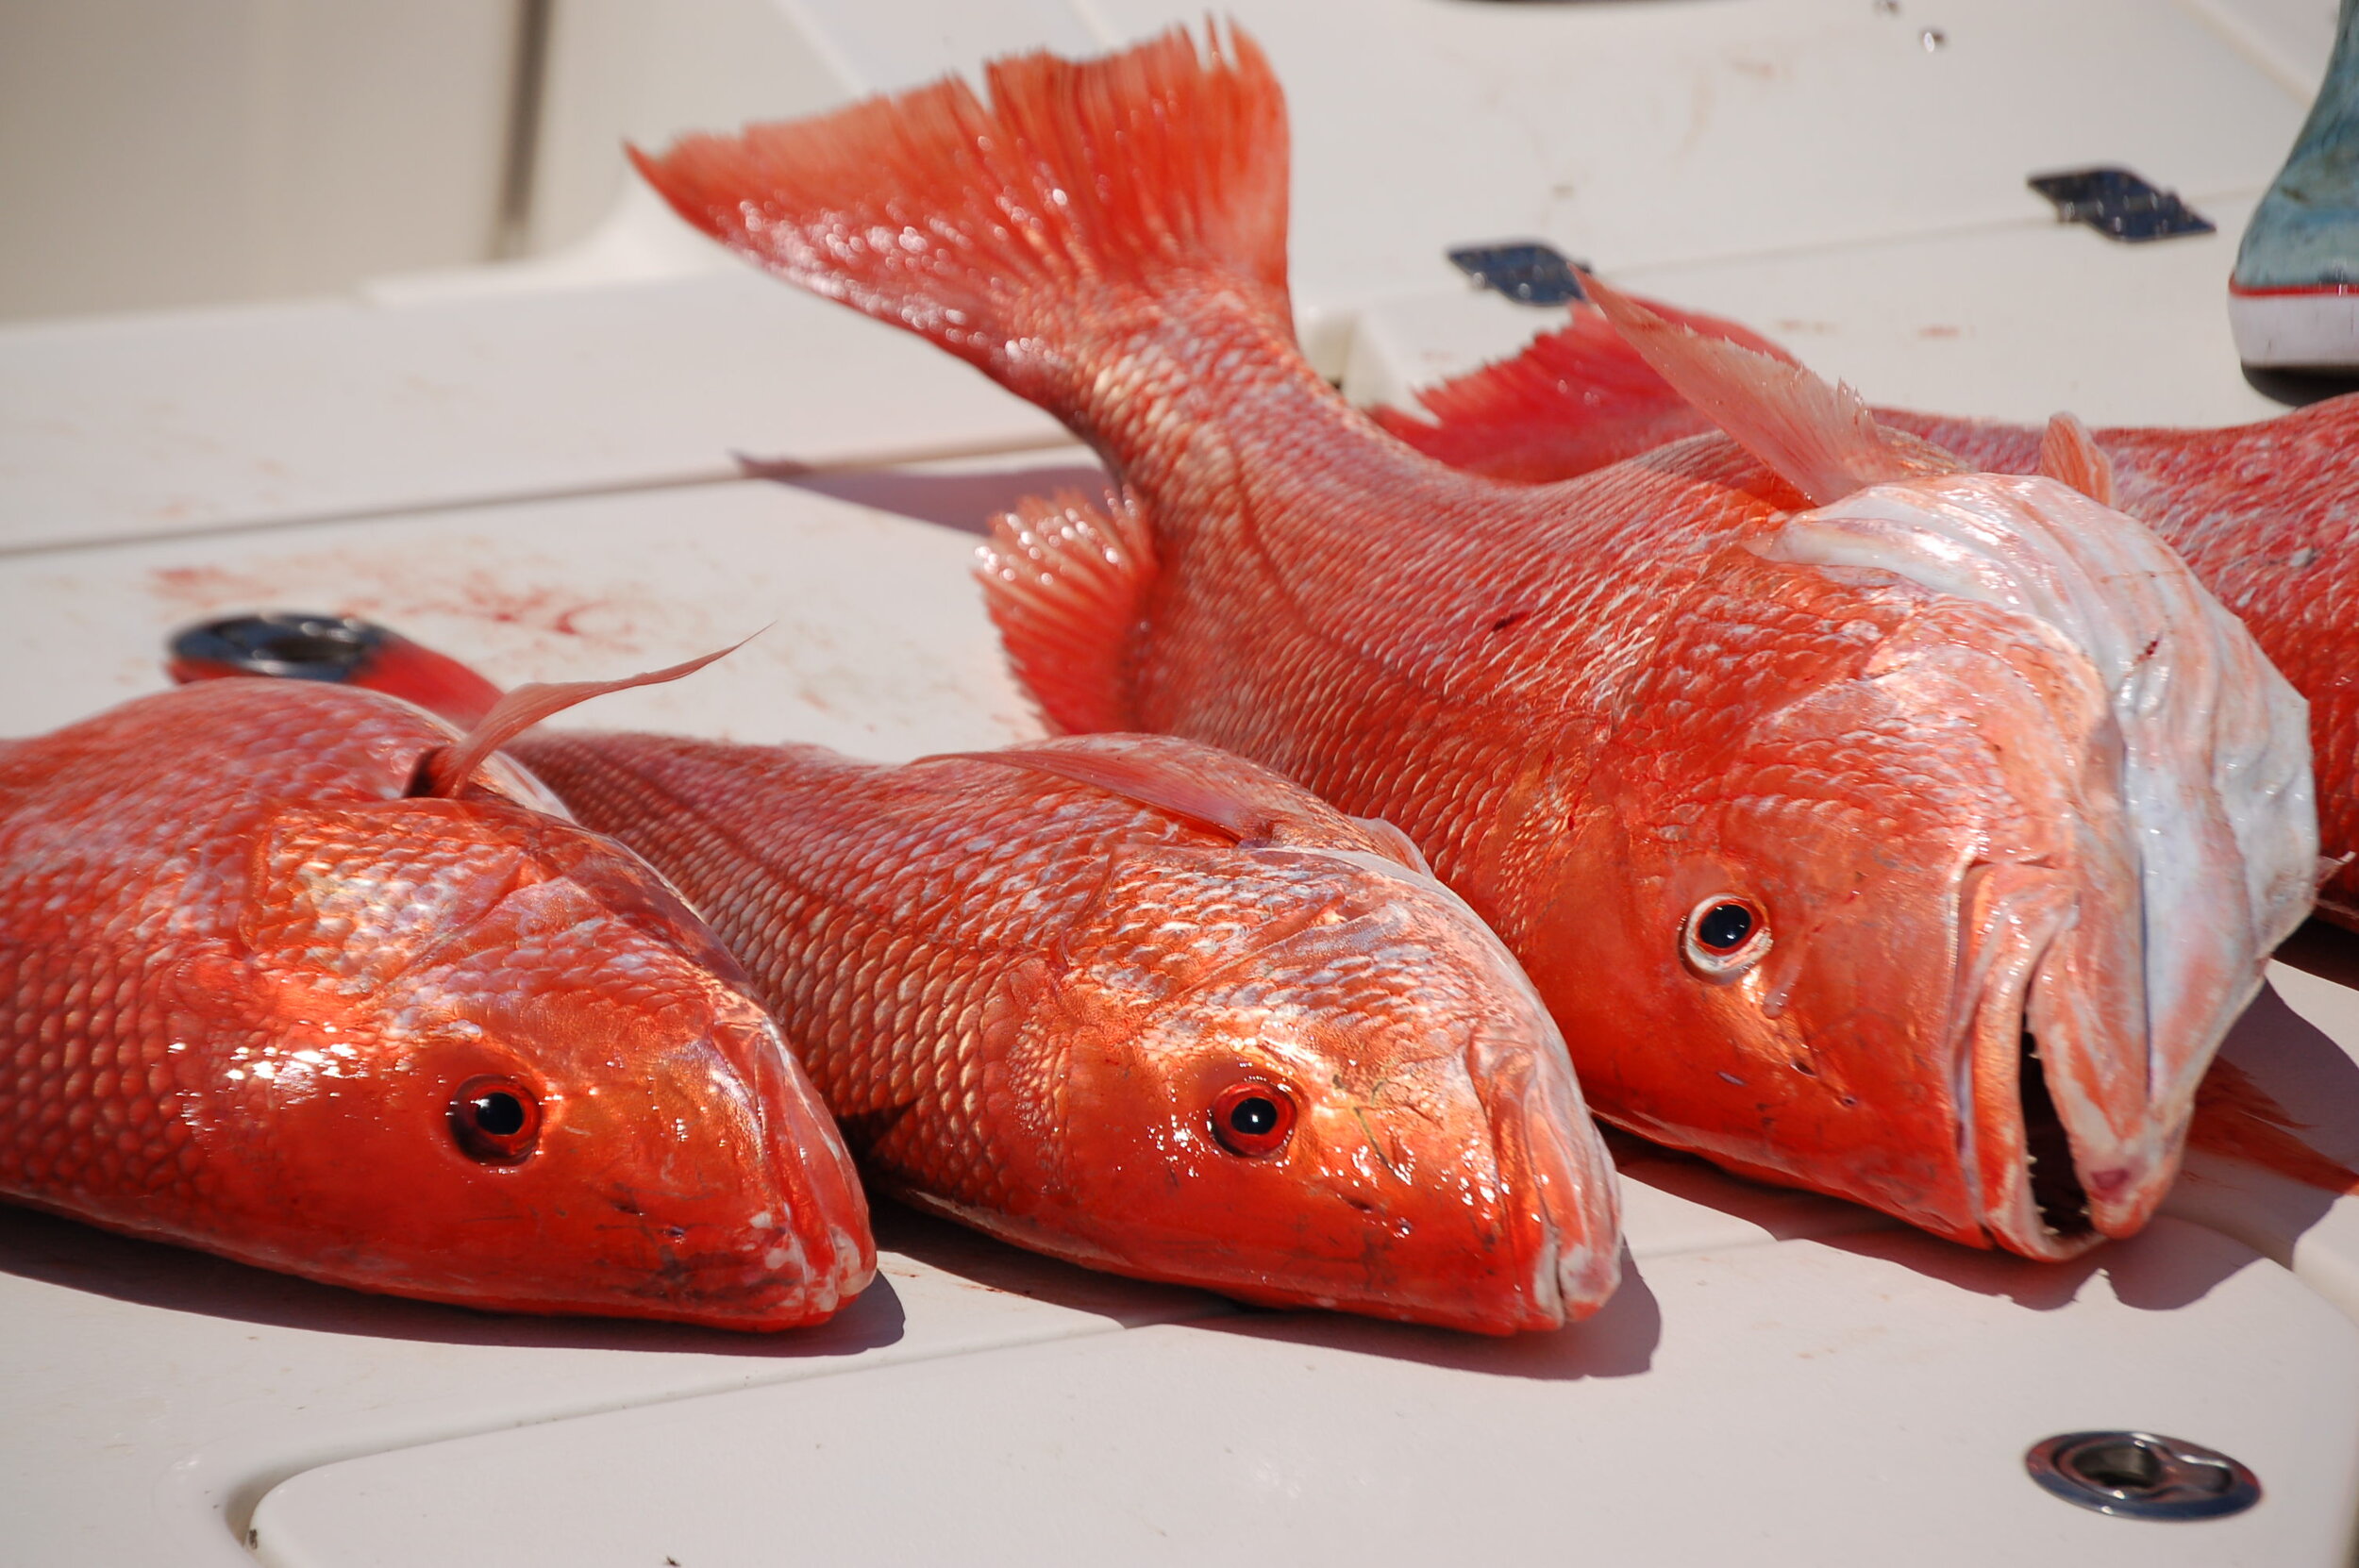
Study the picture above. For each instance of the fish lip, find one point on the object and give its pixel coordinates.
(1559, 1194)
(815, 1252)
(2011, 914)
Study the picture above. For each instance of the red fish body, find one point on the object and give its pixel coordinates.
(1825, 833)
(255, 998)
(1035, 1004)
(1128, 1000)
(2267, 514)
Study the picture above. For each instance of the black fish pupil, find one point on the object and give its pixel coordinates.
(1253, 1117)
(502, 1115)
(1725, 926)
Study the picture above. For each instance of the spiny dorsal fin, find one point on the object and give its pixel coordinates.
(2068, 453)
(1819, 439)
(447, 769)
(1574, 400)
(1065, 582)
(1152, 781)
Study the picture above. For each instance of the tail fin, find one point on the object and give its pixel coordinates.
(1006, 231)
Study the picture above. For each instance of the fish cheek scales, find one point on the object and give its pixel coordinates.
(405, 1045)
(658, 1093)
(1405, 1169)
(1827, 1013)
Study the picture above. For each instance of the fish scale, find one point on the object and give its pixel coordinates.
(243, 981)
(2267, 514)
(917, 934)
(1022, 993)
(1535, 683)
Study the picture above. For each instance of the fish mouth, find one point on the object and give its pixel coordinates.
(2022, 1162)
(2054, 1180)
(2173, 842)
(809, 1250)
(1558, 1196)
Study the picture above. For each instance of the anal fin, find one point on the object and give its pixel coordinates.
(1065, 580)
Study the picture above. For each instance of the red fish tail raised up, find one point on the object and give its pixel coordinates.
(1042, 236)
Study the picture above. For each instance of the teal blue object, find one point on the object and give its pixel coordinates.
(2305, 232)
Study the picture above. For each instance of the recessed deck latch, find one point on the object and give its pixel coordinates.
(2140, 1476)
(282, 642)
(2119, 205)
(1530, 272)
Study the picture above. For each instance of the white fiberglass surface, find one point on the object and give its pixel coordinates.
(138, 428)
(1865, 1401)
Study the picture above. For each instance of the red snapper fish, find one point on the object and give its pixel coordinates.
(2267, 514)
(1836, 800)
(1136, 1002)
(272, 986)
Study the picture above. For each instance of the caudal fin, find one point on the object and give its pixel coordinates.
(1023, 233)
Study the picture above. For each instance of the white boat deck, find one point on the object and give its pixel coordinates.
(539, 471)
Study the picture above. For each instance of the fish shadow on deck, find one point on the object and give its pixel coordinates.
(77, 1256)
(966, 500)
(1620, 1339)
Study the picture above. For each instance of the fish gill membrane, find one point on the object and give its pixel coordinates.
(265, 997)
(1251, 1044)
(2100, 970)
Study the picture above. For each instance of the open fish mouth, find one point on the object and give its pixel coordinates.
(2102, 974)
(2057, 1196)
(2021, 1164)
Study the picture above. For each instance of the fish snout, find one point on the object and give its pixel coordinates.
(1561, 1205)
(747, 1208)
(806, 1249)
(2072, 1140)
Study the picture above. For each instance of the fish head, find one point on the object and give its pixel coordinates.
(1311, 1076)
(1944, 898)
(505, 1066)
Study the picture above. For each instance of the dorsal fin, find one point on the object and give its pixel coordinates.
(445, 770)
(1065, 582)
(1818, 437)
(1574, 400)
(1146, 778)
(2068, 453)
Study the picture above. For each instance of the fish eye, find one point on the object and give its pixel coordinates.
(495, 1120)
(1724, 933)
(1253, 1118)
